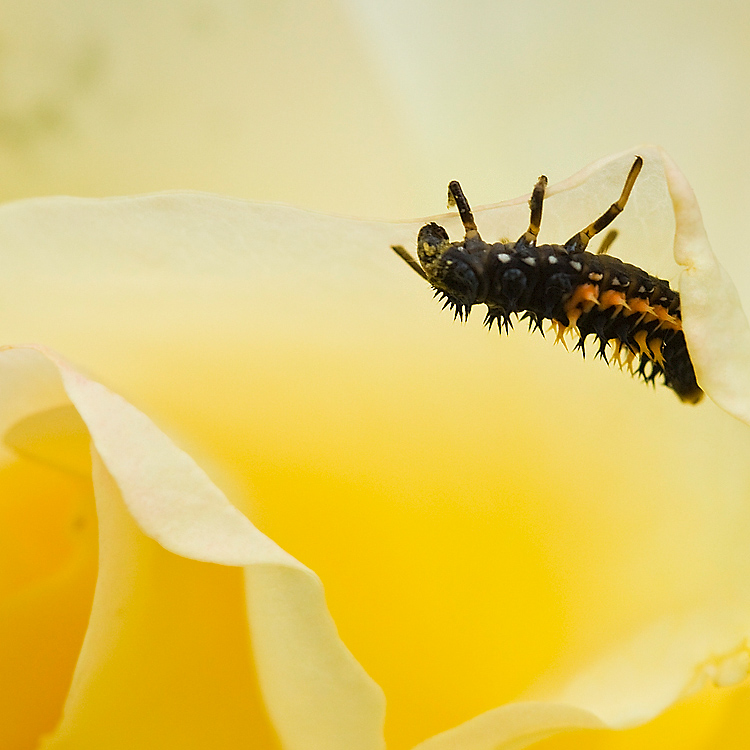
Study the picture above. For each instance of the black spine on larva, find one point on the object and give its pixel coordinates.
(633, 317)
(629, 313)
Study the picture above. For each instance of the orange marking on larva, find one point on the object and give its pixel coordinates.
(623, 355)
(616, 351)
(655, 346)
(674, 324)
(629, 359)
(504, 270)
(640, 305)
(573, 316)
(640, 339)
(667, 320)
(613, 298)
(561, 330)
(584, 296)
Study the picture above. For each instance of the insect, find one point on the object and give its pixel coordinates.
(633, 314)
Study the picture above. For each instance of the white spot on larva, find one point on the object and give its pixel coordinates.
(596, 276)
(575, 265)
(552, 259)
(641, 289)
(529, 261)
(503, 257)
(448, 262)
(615, 282)
(460, 248)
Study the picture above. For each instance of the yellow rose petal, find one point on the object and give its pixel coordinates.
(47, 574)
(512, 727)
(454, 492)
(147, 670)
(716, 326)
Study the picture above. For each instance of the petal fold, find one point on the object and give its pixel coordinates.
(275, 265)
(716, 326)
(153, 500)
(512, 727)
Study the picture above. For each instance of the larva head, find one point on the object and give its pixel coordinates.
(447, 265)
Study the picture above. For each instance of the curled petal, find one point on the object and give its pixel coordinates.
(147, 491)
(716, 327)
(512, 727)
(326, 303)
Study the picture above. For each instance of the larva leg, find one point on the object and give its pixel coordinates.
(609, 238)
(457, 198)
(413, 263)
(578, 242)
(535, 204)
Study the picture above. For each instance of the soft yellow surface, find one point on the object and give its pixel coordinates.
(370, 437)
(47, 575)
(166, 659)
(480, 511)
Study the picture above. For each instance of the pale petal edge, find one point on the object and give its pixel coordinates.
(296, 646)
(513, 726)
(672, 659)
(716, 327)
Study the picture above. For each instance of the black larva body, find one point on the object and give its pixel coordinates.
(620, 305)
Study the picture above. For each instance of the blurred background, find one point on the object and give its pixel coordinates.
(368, 108)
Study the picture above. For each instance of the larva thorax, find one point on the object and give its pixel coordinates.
(598, 295)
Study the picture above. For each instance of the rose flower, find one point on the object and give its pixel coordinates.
(514, 542)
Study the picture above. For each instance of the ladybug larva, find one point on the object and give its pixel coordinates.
(635, 317)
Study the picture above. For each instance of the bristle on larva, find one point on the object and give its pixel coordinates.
(633, 317)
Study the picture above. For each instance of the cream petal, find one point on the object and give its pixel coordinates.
(716, 327)
(127, 100)
(120, 252)
(512, 727)
(147, 489)
(671, 659)
(57, 437)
